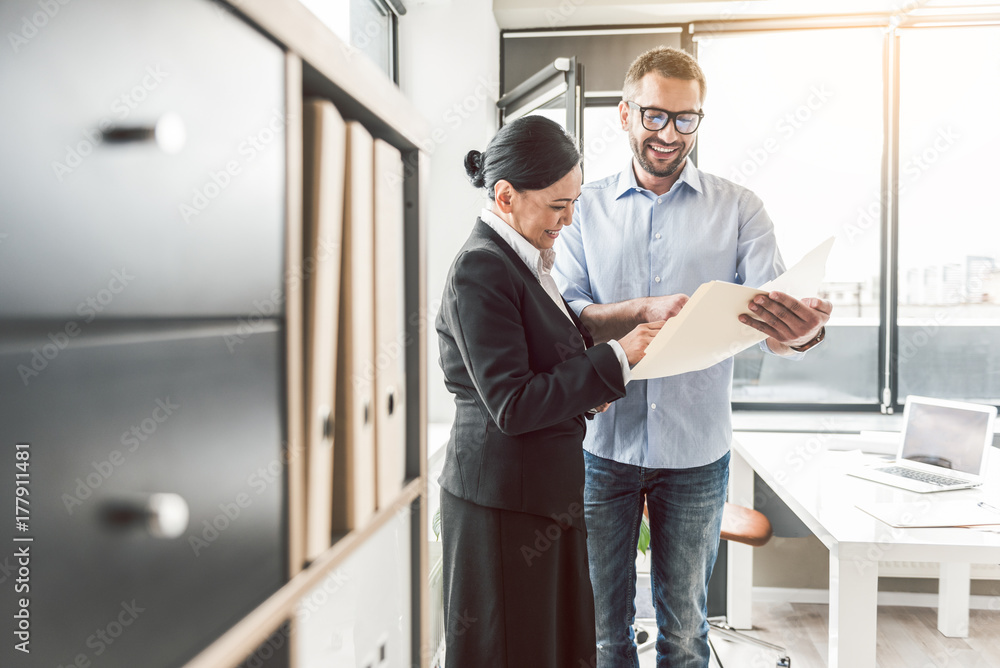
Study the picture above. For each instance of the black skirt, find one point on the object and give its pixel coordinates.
(517, 590)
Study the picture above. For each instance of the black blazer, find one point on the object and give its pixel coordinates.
(523, 377)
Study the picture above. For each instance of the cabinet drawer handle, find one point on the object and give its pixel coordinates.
(163, 515)
(168, 132)
(326, 420)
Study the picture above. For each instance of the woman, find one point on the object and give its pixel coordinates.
(524, 373)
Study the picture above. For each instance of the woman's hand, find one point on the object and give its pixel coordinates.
(634, 343)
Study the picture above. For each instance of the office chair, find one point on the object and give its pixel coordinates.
(740, 525)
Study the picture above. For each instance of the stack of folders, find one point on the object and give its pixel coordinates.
(355, 364)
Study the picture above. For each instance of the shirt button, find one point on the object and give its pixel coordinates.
(653, 406)
(657, 279)
(659, 200)
(657, 235)
(638, 190)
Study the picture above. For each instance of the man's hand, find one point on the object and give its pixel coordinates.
(788, 322)
(600, 409)
(615, 321)
(655, 309)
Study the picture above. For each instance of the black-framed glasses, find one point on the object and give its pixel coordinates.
(654, 120)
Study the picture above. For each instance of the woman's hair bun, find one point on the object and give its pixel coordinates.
(474, 168)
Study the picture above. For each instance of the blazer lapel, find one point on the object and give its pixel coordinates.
(488, 232)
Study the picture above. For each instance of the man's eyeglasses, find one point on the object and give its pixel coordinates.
(654, 120)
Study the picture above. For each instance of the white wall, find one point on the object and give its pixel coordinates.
(449, 66)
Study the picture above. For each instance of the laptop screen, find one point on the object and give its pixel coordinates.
(953, 438)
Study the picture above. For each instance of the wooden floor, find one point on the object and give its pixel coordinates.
(907, 638)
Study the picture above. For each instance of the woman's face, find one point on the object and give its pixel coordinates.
(539, 215)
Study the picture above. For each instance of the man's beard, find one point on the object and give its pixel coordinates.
(671, 167)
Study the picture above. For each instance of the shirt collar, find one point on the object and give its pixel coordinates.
(538, 261)
(690, 175)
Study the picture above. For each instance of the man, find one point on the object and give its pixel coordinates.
(643, 240)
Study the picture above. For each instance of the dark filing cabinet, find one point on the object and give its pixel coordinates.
(142, 326)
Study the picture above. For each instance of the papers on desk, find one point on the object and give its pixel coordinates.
(707, 330)
(932, 513)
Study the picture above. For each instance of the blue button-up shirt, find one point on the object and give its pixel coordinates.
(626, 242)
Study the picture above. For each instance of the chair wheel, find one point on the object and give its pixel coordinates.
(784, 662)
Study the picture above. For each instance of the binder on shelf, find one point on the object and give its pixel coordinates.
(390, 362)
(354, 445)
(325, 154)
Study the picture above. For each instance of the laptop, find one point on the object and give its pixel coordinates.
(944, 446)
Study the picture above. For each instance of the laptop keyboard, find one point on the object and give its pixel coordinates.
(929, 478)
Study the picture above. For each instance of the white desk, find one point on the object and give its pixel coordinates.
(810, 479)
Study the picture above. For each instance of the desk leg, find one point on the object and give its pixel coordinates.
(953, 600)
(739, 564)
(853, 610)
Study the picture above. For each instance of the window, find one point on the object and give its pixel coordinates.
(370, 26)
(881, 132)
(796, 117)
(949, 247)
(606, 148)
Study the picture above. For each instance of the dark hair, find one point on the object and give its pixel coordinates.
(531, 153)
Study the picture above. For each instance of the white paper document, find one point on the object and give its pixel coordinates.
(932, 513)
(708, 331)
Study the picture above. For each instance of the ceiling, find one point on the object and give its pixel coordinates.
(514, 14)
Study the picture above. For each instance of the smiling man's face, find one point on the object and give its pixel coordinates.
(661, 154)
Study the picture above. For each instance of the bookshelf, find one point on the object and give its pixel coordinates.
(319, 65)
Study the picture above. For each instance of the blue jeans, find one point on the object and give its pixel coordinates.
(685, 518)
